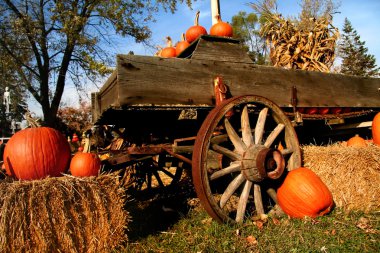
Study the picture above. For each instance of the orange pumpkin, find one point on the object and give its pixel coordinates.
(181, 45)
(311, 110)
(169, 51)
(85, 165)
(376, 129)
(356, 141)
(323, 110)
(35, 153)
(196, 30)
(303, 193)
(221, 28)
(336, 110)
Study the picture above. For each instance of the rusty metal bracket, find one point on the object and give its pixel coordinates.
(297, 115)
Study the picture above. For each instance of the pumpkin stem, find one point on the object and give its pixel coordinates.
(32, 122)
(183, 37)
(196, 21)
(218, 17)
(169, 42)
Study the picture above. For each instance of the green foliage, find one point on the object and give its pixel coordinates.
(315, 9)
(69, 39)
(246, 29)
(356, 60)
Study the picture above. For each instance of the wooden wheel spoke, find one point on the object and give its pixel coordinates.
(168, 173)
(246, 128)
(259, 129)
(273, 135)
(272, 193)
(224, 151)
(234, 167)
(258, 199)
(234, 137)
(243, 200)
(157, 176)
(287, 151)
(231, 188)
(149, 180)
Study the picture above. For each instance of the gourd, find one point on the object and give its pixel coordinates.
(35, 153)
(85, 165)
(181, 45)
(196, 30)
(356, 141)
(169, 51)
(376, 129)
(221, 28)
(303, 193)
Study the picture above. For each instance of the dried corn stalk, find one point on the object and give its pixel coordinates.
(293, 48)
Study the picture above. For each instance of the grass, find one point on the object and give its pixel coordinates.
(185, 229)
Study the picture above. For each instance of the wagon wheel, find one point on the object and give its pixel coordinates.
(236, 166)
(157, 172)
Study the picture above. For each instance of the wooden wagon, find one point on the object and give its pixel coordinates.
(231, 121)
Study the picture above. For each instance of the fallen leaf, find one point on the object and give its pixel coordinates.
(276, 221)
(251, 240)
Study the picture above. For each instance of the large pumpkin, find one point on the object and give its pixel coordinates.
(85, 165)
(181, 45)
(376, 129)
(35, 153)
(304, 194)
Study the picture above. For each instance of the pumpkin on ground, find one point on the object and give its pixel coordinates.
(169, 51)
(303, 193)
(181, 45)
(376, 129)
(85, 165)
(221, 28)
(196, 30)
(35, 153)
(356, 141)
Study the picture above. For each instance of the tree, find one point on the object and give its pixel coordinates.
(246, 29)
(355, 57)
(68, 39)
(75, 120)
(316, 9)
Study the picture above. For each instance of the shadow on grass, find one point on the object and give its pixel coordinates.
(157, 210)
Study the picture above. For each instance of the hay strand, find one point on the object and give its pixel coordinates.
(65, 214)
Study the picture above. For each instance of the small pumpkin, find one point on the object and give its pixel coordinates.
(196, 30)
(303, 193)
(221, 28)
(85, 165)
(356, 141)
(169, 51)
(35, 153)
(336, 110)
(376, 129)
(181, 45)
(311, 110)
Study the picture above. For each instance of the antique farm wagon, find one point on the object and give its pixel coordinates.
(232, 122)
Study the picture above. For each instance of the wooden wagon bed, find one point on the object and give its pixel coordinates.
(156, 83)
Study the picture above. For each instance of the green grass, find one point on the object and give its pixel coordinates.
(192, 230)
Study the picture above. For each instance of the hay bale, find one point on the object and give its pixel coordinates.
(65, 214)
(351, 173)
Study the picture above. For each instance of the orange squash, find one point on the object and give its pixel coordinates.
(303, 193)
(181, 45)
(169, 51)
(376, 129)
(35, 153)
(85, 165)
(196, 30)
(356, 141)
(221, 28)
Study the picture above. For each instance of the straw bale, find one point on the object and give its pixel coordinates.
(65, 214)
(351, 173)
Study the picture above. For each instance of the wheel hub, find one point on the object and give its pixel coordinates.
(260, 162)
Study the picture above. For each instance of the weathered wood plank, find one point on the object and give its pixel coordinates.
(154, 80)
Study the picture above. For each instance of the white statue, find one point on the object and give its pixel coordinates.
(7, 99)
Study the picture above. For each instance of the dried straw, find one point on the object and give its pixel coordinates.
(351, 173)
(292, 47)
(65, 214)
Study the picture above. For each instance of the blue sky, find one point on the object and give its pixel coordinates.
(364, 16)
